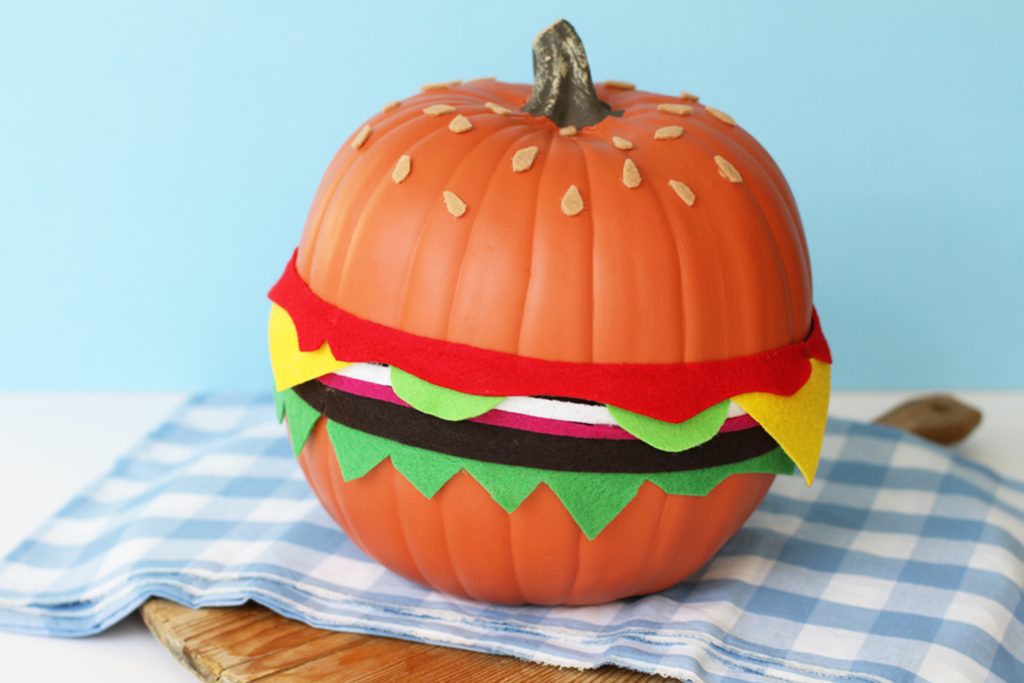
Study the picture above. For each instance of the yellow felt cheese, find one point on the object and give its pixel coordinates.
(290, 365)
(796, 422)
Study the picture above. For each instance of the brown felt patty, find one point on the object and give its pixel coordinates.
(490, 443)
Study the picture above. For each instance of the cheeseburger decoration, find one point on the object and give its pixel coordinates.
(549, 344)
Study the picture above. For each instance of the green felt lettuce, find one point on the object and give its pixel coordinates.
(431, 399)
(592, 498)
(301, 417)
(673, 436)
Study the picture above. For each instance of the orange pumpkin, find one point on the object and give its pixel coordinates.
(463, 543)
(567, 223)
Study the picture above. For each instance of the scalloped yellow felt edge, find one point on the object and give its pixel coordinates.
(290, 365)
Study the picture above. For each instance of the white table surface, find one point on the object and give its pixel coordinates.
(51, 445)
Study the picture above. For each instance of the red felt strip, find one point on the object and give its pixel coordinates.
(665, 391)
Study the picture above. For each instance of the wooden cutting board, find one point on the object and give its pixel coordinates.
(251, 643)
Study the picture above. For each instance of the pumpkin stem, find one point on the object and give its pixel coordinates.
(563, 90)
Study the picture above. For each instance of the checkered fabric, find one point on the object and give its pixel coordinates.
(904, 561)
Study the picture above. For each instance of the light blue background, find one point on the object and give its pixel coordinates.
(157, 161)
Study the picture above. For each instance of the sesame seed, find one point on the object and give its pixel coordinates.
(440, 86)
(572, 202)
(688, 96)
(498, 109)
(727, 170)
(393, 104)
(454, 204)
(721, 115)
(684, 192)
(402, 169)
(460, 124)
(567, 131)
(630, 174)
(620, 85)
(668, 133)
(523, 159)
(439, 110)
(361, 136)
(677, 109)
(621, 143)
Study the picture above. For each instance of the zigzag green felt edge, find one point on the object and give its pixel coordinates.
(593, 499)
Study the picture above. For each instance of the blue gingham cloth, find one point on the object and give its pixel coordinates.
(904, 561)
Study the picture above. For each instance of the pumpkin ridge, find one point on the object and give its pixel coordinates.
(335, 204)
(453, 300)
(754, 173)
(490, 275)
(674, 238)
(774, 181)
(598, 158)
(784, 199)
(696, 228)
(754, 318)
(781, 271)
(416, 254)
(404, 537)
(539, 173)
(341, 167)
(364, 222)
(556, 296)
(580, 148)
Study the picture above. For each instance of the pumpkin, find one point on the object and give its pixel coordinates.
(549, 344)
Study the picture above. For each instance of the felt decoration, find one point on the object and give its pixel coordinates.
(672, 436)
(431, 399)
(291, 365)
(652, 389)
(797, 422)
(593, 499)
(482, 441)
(301, 417)
(526, 413)
(500, 416)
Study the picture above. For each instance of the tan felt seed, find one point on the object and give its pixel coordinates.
(677, 109)
(572, 202)
(361, 136)
(460, 124)
(721, 116)
(621, 143)
(454, 204)
(668, 133)
(439, 110)
(688, 96)
(523, 159)
(727, 170)
(630, 174)
(568, 131)
(620, 85)
(402, 168)
(440, 86)
(684, 192)
(498, 109)
(393, 104)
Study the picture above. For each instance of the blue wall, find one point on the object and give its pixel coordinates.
(157, 161)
